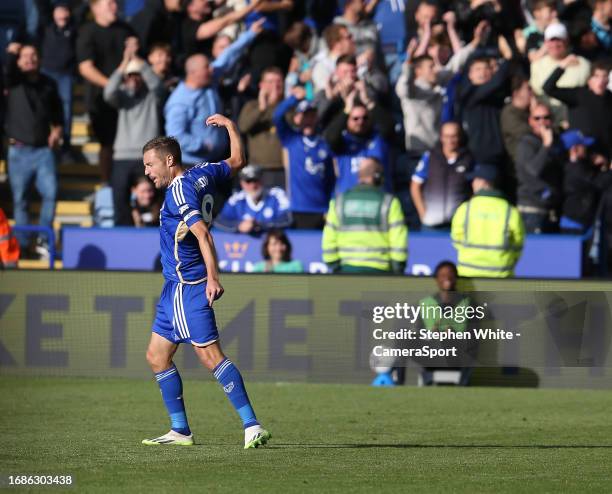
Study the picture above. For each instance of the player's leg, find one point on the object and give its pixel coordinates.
(159, 357)
(228, 375)
(162, 346)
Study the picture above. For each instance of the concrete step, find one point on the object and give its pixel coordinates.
(38, 264)
(79, 170)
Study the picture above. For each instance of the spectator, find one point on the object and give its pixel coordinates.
(33, 124)
(544, 13)
(487, 230)
(255, 122)
(515, 116)
(268, 50)
(426, 13)
(58, 61)
(100, 46)
(586, 177)
(254, 208)
(420, 89)
(601, 23)
(539, 170)
(160, 60)
(197, 97)
(390, 19)
(339, 42)
(575, 75)
(199, 26)
(590, 106)
(439, 185)
(363, 29)
(276, 251)
(158, 23)
(481, 100)
(145, 208)
(136, 92)
(300, 38)
(376, 80)
(365, 230)
(331, 100)
(308, 161)
(352, 138)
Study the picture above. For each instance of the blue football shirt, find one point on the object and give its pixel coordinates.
(189, 199)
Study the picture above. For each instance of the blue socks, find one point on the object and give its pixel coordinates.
(229, 377)
(171, 387)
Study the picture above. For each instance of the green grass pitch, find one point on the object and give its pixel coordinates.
(326, 438)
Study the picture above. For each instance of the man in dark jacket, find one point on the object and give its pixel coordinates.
(590, 106)
(586, 178)
(481, 100)
(58, 61)
(34, 127)
(539, 170)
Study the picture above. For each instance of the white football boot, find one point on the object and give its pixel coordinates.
(171, 437)
(255, 436)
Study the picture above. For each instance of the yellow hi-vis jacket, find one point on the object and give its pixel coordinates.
(365, 228)
(488, 233)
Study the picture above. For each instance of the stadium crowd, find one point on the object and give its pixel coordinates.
(427, 89)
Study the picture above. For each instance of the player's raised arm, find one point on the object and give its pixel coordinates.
(237, 159)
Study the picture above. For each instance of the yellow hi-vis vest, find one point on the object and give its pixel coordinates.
(365, 227)
(488, 233)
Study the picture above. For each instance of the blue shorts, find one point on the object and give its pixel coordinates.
(184, 316)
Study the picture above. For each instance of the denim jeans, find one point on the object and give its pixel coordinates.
(27, 164)
(64, 83)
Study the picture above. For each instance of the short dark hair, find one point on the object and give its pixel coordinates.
(164, 145)
(271, 70)
(281, 236)
(539, 4)
(350, 59)
(161, 46)
(445, 264)
(599, 65)
(417, 61)
(517, 81)
(297, 35)
(480, 59)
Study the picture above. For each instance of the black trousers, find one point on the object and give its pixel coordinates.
(123, 177)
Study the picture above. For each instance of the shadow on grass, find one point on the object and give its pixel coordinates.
(458, 446)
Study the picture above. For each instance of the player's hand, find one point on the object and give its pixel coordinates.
(218, 120)
(214, 290)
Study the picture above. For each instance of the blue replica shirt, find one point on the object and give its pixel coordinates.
(354, 150)
(311, 169)
(389, 19)
(189, 199)
(272, 210)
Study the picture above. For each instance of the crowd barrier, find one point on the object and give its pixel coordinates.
(544, 256)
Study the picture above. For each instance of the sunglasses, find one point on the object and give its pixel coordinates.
(537, 118)
(358, 119)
